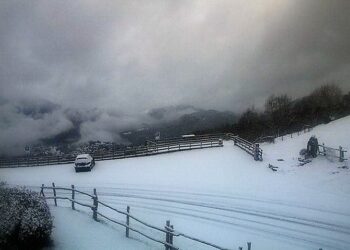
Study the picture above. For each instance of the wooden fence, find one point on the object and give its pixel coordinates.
(168, 230)
(151, 148)
(323, 150)
(251, 148)
(282, 136)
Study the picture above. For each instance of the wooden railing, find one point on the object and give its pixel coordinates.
(251, 148)
(168, 230)
(323, 151)
(283, 136)
(152, 148)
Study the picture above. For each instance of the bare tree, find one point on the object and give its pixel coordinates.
(278, 109)
(326, 101)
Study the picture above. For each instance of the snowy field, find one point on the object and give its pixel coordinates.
(219, 194)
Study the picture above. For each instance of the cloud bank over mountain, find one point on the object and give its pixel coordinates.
(104, 64)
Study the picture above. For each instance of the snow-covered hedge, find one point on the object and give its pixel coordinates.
(25, 219)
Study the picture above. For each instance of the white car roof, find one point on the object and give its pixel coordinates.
(82, 156)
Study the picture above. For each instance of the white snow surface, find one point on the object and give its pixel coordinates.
(220, 195)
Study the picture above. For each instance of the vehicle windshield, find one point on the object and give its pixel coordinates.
(82, 163)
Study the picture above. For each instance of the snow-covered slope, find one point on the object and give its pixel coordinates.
(223, 195)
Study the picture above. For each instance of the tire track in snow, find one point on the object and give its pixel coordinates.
(245, 226)
(114, 198)
(270, 218)
(245, 211)
(241, 210)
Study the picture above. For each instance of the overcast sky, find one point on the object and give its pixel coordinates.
(118, 59)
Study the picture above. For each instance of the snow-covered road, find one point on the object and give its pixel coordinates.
(290, 225)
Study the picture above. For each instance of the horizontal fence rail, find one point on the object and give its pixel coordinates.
(324, 150)
(251, 148)
(168, 229)
(151, 148)
(282, 136)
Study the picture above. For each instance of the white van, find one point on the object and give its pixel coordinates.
(84, 162)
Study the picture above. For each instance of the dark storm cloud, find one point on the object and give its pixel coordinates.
(105, 64)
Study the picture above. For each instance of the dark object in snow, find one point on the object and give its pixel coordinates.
(272, 167)
(304, 161)
(280, 160)
(312, 146)
(303, 152)
(344, 167)
(25, 219)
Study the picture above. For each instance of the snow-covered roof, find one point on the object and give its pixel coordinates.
(83, 156)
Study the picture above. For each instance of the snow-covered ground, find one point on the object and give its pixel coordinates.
(77, 230)
(220, 195)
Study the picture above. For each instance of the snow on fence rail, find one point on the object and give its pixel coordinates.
(168, 230)
(150, 149)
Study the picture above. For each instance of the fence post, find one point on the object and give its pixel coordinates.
(341, 154)
(256, 152)
(127, 222)
(73, 197)
(324, 150)
(171, 236)
(167, 235)
(240, 248)
(249, 244)
(42, 190)
(95, 205)
(54, 193)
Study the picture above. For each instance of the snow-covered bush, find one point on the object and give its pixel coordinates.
(25, 219)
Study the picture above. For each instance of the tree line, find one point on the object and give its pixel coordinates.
(282, 114)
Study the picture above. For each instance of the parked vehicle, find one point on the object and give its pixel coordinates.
(84, 162)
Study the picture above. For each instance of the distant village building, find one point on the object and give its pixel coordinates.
(157, 136)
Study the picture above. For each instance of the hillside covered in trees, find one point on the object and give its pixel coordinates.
(282, 114)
